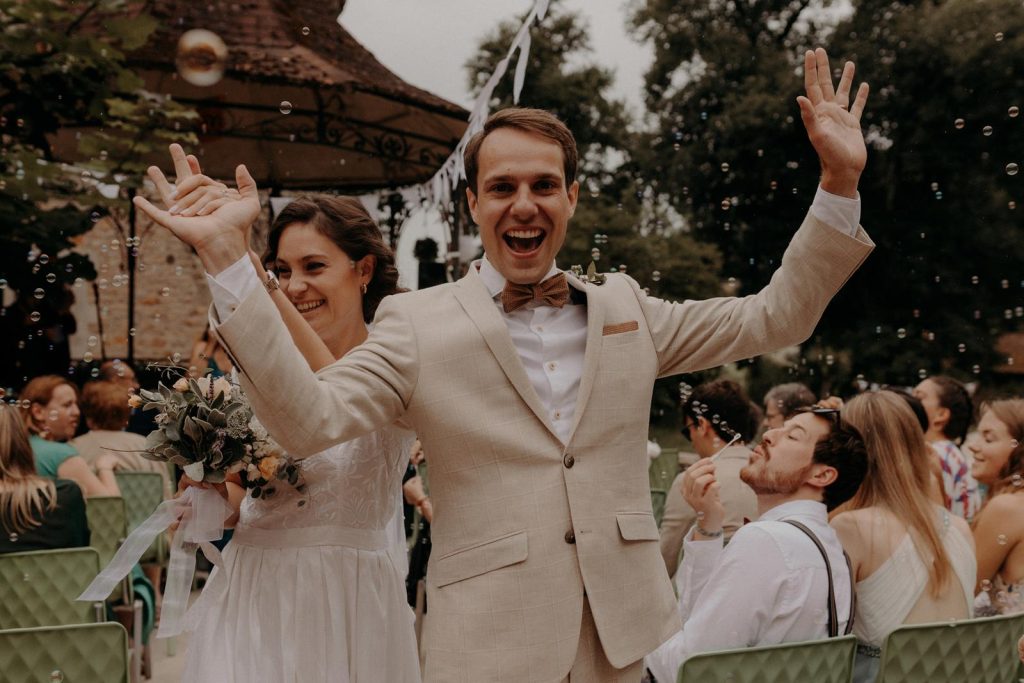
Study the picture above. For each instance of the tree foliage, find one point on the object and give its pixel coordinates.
(946, 276)
(75, 123)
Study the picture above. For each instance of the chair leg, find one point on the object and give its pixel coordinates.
(137, 638)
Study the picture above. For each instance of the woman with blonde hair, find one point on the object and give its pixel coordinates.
(35, 512)
(913, 561)
(999, 525)
(49, 408)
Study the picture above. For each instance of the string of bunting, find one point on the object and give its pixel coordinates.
(439, 188)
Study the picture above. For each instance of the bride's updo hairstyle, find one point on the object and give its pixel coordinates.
(344, 221)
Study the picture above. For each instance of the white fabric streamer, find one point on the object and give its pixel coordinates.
(202, 513)
(438, 189)
(520, 77)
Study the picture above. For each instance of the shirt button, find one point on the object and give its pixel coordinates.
(539, 328)
(552, 365)
(568, 460)
(570, 537)
(558, 414)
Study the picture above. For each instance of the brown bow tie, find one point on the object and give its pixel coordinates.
(552, 292)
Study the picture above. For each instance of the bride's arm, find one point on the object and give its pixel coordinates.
(308, 342)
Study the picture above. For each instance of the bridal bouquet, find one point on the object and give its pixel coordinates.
(206, 426)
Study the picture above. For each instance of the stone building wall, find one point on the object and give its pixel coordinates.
(171, 296)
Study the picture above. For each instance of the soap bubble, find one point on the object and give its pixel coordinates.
(202, 57)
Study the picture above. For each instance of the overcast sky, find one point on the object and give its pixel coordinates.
(427, 42)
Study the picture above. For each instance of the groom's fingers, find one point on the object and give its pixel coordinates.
(158, 215)
(807, 115)
(181, 168)
(824, 74)
(862, 99)
(193, 164)
(845, 84)
(246, 184)
(811, 85)
(163, 187)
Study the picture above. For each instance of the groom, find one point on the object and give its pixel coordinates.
(531, 391)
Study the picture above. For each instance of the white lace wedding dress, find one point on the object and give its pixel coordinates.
(314, 592)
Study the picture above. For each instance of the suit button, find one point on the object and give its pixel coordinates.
(568, 460)
(570, 537)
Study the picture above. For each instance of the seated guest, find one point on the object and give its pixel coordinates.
(999, 525)
(913, 560)
(50, 413)
(783, 401)
(36, 513)
(106, 411)
(116, 370)
(209, 357)
(771, 584)
(713, 415)
(950, 411)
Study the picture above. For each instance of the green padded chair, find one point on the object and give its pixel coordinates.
(142, 493)
(820, 661)
(39, 588)
(658, 505)
(108, 525)
(970, 651)
(84, 653)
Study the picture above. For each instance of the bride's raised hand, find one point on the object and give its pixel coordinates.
(218, 219)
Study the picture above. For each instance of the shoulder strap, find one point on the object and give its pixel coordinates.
(833, 612)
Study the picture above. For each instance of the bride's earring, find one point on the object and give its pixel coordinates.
(363, 288)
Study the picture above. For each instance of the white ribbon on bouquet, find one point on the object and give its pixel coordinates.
(202, 513)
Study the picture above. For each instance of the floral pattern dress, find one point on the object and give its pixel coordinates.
(312, 586)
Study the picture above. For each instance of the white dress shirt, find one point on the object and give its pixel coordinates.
(551, 341)
(768, 586)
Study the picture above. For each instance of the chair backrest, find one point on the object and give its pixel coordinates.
(829, 660)
(142, 493)
(39, 588)
(84, 652)
(108, 524)
(980, 650)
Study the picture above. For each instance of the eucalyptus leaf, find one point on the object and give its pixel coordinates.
(194, 471)
(193, 430)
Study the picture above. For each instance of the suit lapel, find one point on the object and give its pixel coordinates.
(595, 323)
(472, 294)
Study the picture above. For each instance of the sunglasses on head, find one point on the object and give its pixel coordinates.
(830, 414)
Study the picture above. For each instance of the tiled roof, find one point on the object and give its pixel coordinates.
(265, 39)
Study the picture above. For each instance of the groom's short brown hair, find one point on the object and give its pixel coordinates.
(536, 121)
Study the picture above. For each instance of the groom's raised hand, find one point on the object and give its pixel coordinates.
(220, 237)
(833, 123)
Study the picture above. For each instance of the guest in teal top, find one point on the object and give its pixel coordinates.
(51, 419)
(50, 455)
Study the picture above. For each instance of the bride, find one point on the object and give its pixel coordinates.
(312, 586)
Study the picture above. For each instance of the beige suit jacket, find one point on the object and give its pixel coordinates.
(739, 501)
(523, 523)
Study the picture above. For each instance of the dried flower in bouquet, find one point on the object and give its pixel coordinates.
(206, 426)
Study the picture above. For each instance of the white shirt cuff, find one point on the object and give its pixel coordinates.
(230, 286)
(842, 213)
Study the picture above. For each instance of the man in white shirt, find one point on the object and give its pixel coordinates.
(531, 390)
(770, 585)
